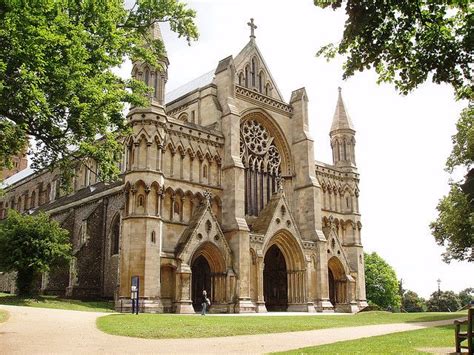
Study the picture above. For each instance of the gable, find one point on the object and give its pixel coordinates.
(203, 228)
(251, 71)
(274, 217)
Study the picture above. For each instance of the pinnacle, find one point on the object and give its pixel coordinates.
(341, 119)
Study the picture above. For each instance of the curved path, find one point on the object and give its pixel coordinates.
(40, 330)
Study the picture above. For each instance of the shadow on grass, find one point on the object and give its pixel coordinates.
(432, 317)
(56, 302)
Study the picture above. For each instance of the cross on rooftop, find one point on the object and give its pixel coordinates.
(252, 28)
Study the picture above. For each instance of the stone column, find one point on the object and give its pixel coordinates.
(183, 289)
(261, 308)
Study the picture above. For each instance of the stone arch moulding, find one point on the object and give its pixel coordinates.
(269, 123)
(291, 248)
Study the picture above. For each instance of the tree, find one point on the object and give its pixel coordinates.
(57, 83)
(381, 282)
(443, 301)
(411, 302)
(408, 43)
(30, 245)
(466, 296)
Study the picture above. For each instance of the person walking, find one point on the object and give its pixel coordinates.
(205, 302)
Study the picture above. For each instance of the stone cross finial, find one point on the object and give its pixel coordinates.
(207, 196)
(252, 28)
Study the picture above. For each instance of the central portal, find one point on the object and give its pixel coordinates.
(275, 282)
(201, 276)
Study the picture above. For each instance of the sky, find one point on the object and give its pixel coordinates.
(402, 142)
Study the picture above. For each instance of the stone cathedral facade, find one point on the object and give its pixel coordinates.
(220, 191)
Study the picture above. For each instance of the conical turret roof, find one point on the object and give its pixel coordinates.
(341, 119)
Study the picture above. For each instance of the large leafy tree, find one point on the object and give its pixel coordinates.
(381, 282)
(466, 296)
(30, 245)
(407, 43)
(411, 302)
(443, 301)
(57, 84)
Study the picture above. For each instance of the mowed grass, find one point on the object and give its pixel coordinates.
(3, 315)
(411, 342)
(189, 326)
(56, 303)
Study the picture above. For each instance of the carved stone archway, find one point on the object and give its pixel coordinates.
(286, 244)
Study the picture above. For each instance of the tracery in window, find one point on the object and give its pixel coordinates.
(262, 162)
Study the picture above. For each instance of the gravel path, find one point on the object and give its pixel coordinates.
(40, 331)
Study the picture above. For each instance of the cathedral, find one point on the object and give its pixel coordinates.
(219, 191)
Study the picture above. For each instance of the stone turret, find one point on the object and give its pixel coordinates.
(154, 77)
(342, 137)
(141, 217)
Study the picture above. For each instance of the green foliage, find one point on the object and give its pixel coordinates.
(182, 326)
(408, 43)
(411, 302)
(466, 296)
(463, 141)
(411, 342)
(57, 83)
(30, 245)
(381, 282)
(454, 227)
(443, 301)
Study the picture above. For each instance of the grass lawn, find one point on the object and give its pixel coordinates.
(176, 326)
(57, 303)
(3, 315)
(398, 343)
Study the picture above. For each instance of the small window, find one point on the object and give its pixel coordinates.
(254, 69)
(156, 85)
(260, 82)
(83, 233)
(247, 74)
(153, 237)
(176, 208)
(141, 201)
(204, 172)
(347, 202)
(147, 77)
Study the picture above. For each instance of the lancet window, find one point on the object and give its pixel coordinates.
(262, 162)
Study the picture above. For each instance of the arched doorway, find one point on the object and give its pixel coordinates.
(275, 280)
(201, 280)
(337, 282)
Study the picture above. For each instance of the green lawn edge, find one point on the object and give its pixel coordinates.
(407, 342)
(54, 302)
(172, 326)
(3, 315)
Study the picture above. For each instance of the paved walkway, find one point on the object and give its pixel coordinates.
(40, 331)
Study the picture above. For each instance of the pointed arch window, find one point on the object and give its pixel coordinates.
(254, 71)
(262, 162)
(156, 85)
(260, 82)
(247, 76)
(147, 77)
(268, 89)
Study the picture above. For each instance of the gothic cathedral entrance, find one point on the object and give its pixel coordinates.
(201, 280)
(275, 281)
